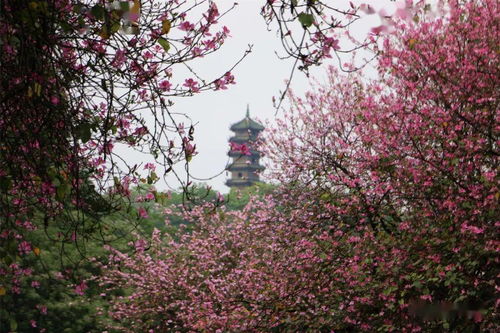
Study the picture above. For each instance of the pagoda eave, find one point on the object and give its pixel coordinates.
(247, 124)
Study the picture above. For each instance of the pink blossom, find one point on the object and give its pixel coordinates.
(229, 78)
(80, 288)
(191, 84)
(367, 9)
(220, 84)
(24, 247)
(186, 26)
(54, 100)
(149, 166)
(241, 148)
(143, 214)
(196, 51)
(42, 309)
(471, 228)
(119, 58)
(165, 85)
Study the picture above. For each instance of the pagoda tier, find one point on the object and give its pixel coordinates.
(245, 168)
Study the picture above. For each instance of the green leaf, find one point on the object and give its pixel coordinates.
(389, 290)
(62, 191)
(77, 8)
(164, 43)
(11, 248)
(66, 27)
(155, 153)
(84, 132)
(8, 260)
(98, 12)
(125, 6)
(323, 256)
(104, 34)
(306, 20)
(52, 172)
(325, 196)
(81, 22)
(154, 176)
(115, 27)
(13, 324)
(165, 26)
(56, 181)
(5, 183)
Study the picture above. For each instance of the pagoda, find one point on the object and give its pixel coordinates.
(245, 165)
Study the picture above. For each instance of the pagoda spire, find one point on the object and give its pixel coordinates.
(248, 110)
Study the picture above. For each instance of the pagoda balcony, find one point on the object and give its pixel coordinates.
(241, 139)
(240, 182)
(245, 167)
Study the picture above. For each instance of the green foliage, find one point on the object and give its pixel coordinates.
(62, 249)
(306, 20)
(164, 43)
(237, 199)
(53, 258)
(165, 211)
(61, 256)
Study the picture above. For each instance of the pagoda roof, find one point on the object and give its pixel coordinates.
(247, 124)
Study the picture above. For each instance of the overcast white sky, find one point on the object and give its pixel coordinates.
(259, 77)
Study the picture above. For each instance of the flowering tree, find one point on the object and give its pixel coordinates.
(79, 79)
(413, 160)
(320, 21)
(388, 214)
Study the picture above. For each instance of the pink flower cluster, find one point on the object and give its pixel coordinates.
(240, 148)
(222, 83)
(386, 217)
